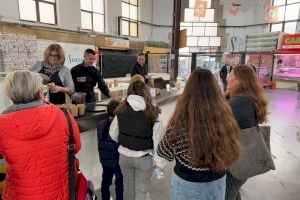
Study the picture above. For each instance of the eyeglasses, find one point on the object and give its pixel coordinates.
(53, 55)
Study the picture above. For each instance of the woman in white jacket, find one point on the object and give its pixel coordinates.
(138, 130)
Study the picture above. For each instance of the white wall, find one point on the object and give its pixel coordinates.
(158, 12)
(69, 18)
(113, 11)
(162, 15)
(252, 12)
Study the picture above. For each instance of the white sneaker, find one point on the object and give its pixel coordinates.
(111, 198)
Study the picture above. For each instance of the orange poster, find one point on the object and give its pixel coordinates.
(271, 14)
(200, 8)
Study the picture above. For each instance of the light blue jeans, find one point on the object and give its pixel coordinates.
(185, 190)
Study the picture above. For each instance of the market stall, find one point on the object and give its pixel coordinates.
(287, 60)
(260, 55)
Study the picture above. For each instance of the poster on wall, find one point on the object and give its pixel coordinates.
(18, 51)
(235, 8)
(271, 14)
(184, 67)
(73, 52)
(200, 8)
(233, 59)
(164, 63)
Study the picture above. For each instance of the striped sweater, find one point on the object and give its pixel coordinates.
(179, 149)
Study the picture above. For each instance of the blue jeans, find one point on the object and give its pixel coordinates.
(182, 189)
(107, 176)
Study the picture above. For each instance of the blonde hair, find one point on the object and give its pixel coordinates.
(23, 86)
(137, 77)
(58, 49)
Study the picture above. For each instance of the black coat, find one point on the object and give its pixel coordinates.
(223, 73)
(107, 148)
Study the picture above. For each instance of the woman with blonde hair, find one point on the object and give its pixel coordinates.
(53, 71)
(34, 142)
(249, 106)
(203, 138)
(137, 129)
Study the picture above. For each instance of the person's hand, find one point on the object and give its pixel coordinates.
(56, 89)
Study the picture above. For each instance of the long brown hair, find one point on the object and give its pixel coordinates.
(205, 115)
(251, 87)
(139, 88)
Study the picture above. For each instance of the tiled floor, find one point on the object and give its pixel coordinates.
(284, 182)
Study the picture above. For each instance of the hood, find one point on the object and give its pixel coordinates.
(137, 103)
(29, 124)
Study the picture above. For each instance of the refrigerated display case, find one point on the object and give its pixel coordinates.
(287, 60)
(210, 61)
(263, 63)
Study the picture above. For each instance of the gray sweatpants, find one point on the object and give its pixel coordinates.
(137, 174)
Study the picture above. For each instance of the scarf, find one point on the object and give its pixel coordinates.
(50, 70)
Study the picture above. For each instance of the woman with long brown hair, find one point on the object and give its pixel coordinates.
(137, 128)
(204, 139)
(249, 106)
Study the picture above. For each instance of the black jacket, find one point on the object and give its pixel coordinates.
(107, 148)
(135, 130)
(138, 69)
(223, 73)
(85, 79)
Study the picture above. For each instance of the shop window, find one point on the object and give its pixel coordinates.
(292, 1)
(292, 12)
(43, 11)
(130, 18)
(279, 2)
(276, 27)
(92, 15)
(288, 14)
(290, 27)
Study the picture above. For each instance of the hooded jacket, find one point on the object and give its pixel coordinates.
(34, 143)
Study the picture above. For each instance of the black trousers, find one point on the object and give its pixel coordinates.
(233, 186)
(107, 176)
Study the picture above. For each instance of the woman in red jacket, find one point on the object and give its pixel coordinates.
(34, 142)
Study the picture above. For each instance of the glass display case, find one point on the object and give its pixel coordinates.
(263, 63)
(287, 67)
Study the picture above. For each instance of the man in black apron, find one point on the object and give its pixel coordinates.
(86, 76)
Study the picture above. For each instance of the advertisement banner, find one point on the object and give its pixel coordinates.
(200, 8)
(271, 14)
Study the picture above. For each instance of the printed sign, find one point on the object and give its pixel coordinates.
(291, 41)
(116, 43)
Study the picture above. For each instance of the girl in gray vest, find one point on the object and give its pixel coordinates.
(137, 129)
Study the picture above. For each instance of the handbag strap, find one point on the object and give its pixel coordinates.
(71, 152)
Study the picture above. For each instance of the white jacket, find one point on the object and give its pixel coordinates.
(137, 103)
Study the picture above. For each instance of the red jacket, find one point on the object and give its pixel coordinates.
(34, 144)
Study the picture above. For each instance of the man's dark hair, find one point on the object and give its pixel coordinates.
(89, 51)
(140, 54)
(111, 107)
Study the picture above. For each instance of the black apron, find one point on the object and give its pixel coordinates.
(59, 97)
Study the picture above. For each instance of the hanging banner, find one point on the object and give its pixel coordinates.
(200, 8)
(271, 14)
(235, 8)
